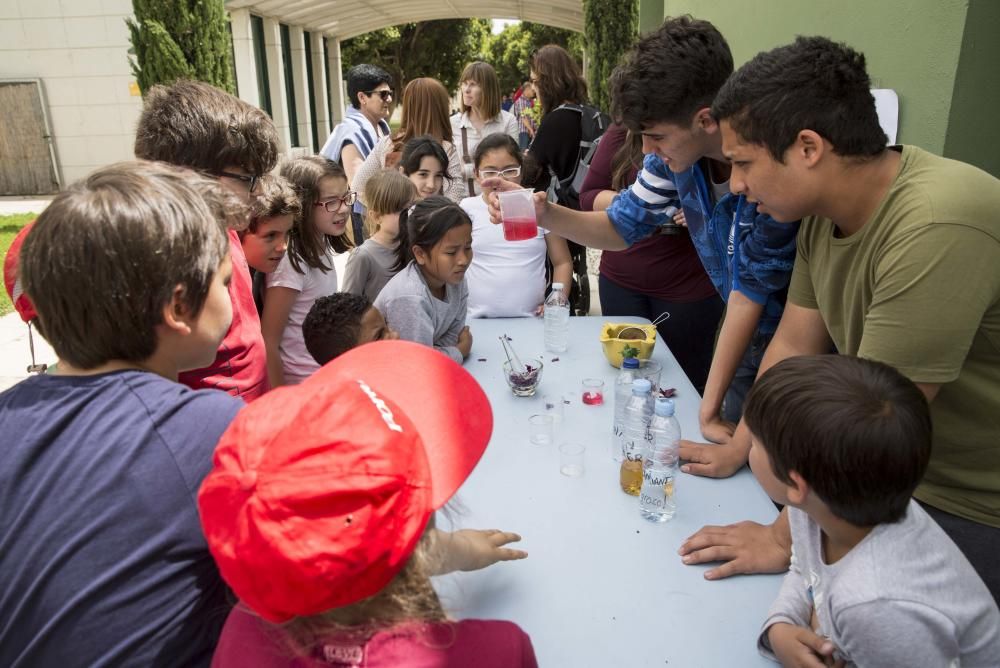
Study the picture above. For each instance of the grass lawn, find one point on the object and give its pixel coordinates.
(9, 227)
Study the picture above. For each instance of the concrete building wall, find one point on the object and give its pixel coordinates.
(79, 50)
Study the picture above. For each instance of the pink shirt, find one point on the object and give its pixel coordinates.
(249, 641)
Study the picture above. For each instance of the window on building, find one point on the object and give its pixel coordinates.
(286, 58)
(260, 62)
(311, 87)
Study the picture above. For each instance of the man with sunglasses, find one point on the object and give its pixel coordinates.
(370, 90)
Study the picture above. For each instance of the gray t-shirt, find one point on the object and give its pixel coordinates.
(411, 309)
(904, 596)
(369, 268)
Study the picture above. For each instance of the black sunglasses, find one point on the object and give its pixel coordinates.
(384, 94)
(250, 179)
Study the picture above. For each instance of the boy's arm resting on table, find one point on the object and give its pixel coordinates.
(749, 547)
(799, 647)
(471, 549)
(792, 606)
(742, 318)
(278, 302)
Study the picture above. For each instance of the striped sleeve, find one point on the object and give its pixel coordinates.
(647, 204)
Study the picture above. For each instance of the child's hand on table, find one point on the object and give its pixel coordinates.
(473, 549)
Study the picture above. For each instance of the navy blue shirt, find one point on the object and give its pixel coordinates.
(102, 558)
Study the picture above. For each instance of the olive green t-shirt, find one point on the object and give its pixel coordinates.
(918, 288)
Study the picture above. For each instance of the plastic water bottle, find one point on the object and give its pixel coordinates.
(556, 320)
(623, 390)
(659, 468)
(636, 437)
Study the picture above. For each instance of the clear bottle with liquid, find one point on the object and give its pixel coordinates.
(623, 391)
(659, 469)
(556, 320)
(638, 414)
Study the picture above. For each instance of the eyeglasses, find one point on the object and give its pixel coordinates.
(384, 94)
(338, 202)
(250, 179)
(511, 173)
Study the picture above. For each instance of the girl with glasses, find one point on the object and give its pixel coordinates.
(507, 278)
(306, 272)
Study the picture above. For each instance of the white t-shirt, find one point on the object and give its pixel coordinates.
(506, 278)
(296, 361)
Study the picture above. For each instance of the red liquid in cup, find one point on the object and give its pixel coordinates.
(593, 398)
(519, 229)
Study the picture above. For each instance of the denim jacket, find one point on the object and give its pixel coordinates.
(740, 248)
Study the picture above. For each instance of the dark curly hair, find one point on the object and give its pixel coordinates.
(670, 74)
(812, 84)
(332, 325)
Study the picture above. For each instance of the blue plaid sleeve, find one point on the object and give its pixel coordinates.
(648, 203)
(766, 255)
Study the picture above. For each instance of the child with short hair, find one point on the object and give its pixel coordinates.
(428, 299)
(507, 279)
(874, 581)
(196, 125)
(369, 267)
(103, 559)
(265, 240)
(333, 486)
(342, 321)
(425, 162)
(307, 271)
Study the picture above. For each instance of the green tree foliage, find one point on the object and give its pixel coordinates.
(175, 39)
(509, 51)
(438, 49)
(611, 27)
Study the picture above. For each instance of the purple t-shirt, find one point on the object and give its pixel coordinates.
(247, 640)
(102, 558)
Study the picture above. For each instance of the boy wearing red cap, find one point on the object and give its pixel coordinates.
(102, 561)
(319, 512)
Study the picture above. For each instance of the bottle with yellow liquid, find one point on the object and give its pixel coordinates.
(638, 413)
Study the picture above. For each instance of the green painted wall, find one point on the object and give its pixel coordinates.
(912, 46)
(650, 15)
(974, 125)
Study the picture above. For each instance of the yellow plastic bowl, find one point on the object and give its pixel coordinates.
(614, 347)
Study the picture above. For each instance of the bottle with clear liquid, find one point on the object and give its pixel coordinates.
(659, 469)
(623, 390)
(556, 320)
(634, 441)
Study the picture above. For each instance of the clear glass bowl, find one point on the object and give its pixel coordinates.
(524, 384)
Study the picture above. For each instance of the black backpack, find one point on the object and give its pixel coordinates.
(593, 123)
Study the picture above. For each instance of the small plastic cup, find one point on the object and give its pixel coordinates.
(540, 429)
(571, 459)
(592, 391)
(517, 211)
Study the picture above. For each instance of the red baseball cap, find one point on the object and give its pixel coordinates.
(320, 492)
(12, 281)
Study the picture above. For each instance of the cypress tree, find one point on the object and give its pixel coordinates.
(174, 39)
(610, 28)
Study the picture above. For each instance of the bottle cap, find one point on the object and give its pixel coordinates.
(630, 363)
(641, 386)
(557, 286)
(664, 407)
